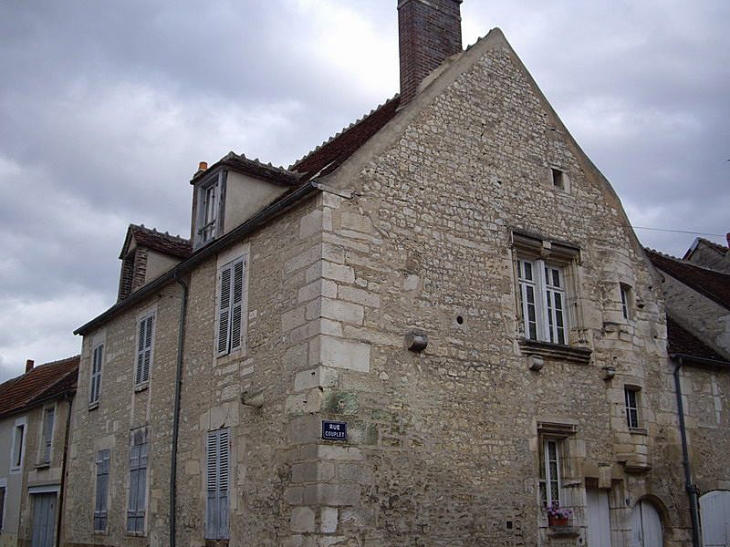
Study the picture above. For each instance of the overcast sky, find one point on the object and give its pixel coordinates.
(106, 108)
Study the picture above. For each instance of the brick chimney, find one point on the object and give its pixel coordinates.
(29, 365)
(429, 32)
(727, 236)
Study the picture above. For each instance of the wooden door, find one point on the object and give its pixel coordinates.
(599, 519)
(44, 520)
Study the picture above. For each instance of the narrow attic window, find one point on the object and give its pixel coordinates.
(558, 178)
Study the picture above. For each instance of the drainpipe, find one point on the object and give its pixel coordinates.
(64, 465)
(691, 488)
(176, 411)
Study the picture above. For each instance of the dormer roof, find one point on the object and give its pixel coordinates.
(157, 241)
(253, 167)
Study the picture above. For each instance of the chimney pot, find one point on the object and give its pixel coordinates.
(29, 365)
(429, 31)
(203, 166)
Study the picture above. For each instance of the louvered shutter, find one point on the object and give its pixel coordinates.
(224, 311)
(137, 488)
(144, 349)
(48, 419)
(218, 477)
(140, 353)
(102, 490)
(237, 307)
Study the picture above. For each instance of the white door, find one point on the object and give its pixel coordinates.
(715, 515)
(44, 520)
(599, 520)
(647, 526)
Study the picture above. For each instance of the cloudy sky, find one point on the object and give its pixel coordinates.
(106, 108)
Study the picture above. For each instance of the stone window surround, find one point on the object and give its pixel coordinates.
(526, 245)
(20, 434)
(237, 252)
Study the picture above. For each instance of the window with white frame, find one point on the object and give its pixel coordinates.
(97, 358)
(543, 301)
(137, 507)
(49, 418)
(218, 479)
(551, 473)
(102, 490)
(18, 449)
(208, 215)
(145, 349)
(230, 306)
(631, 398)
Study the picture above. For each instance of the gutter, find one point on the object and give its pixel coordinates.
(176, 411)
(205, 253)
(692, 492)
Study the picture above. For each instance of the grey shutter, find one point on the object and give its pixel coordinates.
(224, 311)
(102, 490)
(237, 308)
(48, 418)
(140, 353)
(137, 487)
(218, 478)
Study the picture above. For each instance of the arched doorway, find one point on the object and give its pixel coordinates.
(715, 515)
(646, 530)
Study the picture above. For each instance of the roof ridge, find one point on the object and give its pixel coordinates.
(341, 132)
(155, 231)
(686, 262)
(259, 163)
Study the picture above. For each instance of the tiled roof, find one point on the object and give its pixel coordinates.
(682, 341)
(264, 171)
(41, 383)
(157, 241)
(710, 283)
(333, 153)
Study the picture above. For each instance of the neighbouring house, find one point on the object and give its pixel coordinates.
(698, 298)
(34, 416)
(433, 330)
(709, 254)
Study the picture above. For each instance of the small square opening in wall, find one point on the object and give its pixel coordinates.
(558, 178)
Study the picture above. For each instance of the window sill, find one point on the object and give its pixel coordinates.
(556, 352)
(42, 465)
(638, 431)
(141, 387)
(563, 531)
(94, 406)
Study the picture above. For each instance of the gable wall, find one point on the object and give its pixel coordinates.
(445, 443)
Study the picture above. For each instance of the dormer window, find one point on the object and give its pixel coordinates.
(209, 215)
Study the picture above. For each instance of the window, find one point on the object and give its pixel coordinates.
(145, 339)
(49, 415)
(543, 301)
(18, 446)
(96, 361)
(631, 396)
(3, 488)
(209, 200)
(557, 177)
(218, 475)
(230, 306)
(137, 483)
(625, 301)
(102, 490)
(551, 478)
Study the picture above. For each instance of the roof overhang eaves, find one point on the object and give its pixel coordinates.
(273, 210)
(701, 361)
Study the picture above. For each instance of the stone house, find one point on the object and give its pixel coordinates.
(34, 416)
(427, 331)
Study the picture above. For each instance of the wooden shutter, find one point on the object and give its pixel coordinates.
(48, 419)
(237, 308)
(102, 490)
(218, 478)
(96, 362)
(137, 488)
(224, 311)
(144, 349)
